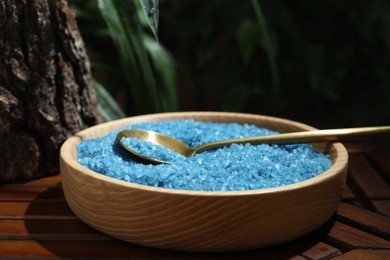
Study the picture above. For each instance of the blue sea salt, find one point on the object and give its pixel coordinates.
(237, 167)
(151, 150)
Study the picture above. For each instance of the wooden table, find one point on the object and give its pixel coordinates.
(35, 222)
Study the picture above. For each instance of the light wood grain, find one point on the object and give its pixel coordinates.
(196, 220)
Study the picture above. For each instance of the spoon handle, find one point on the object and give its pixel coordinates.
(329, 135)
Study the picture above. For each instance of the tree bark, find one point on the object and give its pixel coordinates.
(46, 92)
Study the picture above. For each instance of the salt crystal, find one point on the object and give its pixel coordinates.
(238, 167)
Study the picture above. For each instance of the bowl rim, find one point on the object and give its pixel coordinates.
(69, 161)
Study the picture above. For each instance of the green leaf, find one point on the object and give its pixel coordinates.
(165, 68)
(150, 14)
(268, 46)
(106, 104)
(127, 33)
(146, 65)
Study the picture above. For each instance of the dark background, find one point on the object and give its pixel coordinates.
(332, 58)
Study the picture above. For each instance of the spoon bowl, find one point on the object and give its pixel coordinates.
(329, 135)
(157, 139)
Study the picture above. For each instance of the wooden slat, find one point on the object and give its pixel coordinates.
(311, 248)
(365, 254)
(380, 156)
(358, 197)
(351, 237)
(48, 229)
(348, 194)
(383, 206)
(374, 187)
(59, 230)
(368, 178)
(9, 193)
(77, 249)
(121, 250)
(363, 219)
(37, 209)
(49, 181)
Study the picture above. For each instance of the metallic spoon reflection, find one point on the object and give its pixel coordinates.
(330, 135)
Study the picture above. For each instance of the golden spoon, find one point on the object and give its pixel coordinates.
(330, 135)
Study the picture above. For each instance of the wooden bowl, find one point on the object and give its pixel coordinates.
(201, 220)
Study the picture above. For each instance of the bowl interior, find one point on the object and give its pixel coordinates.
(272, 123)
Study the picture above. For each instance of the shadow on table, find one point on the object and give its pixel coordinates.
(58, 232)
